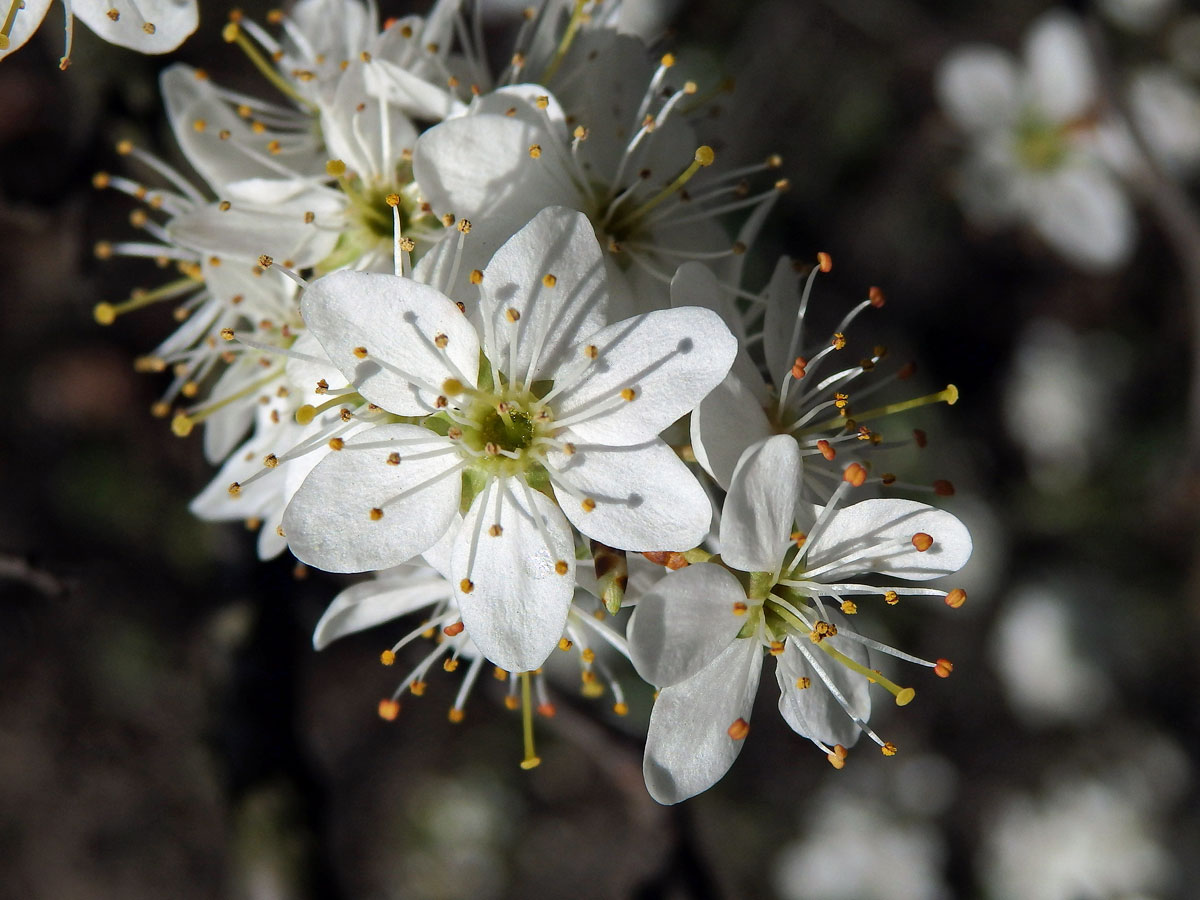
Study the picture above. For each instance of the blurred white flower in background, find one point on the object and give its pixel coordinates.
(1038, 153)
(1057, 401)
(1088, 838)
(1138, 16)
(1166, 109)
(857, 849)
(1034, 651)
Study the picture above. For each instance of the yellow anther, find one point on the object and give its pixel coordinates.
(337, 443)
(464, 226)
(535, 151)
(113, 14)
(549, 280)
(803, 683)
(182, 425)
(360, 352)
(591, 351)
(561, 567)
(450, 665)
(888, 749)
(923, 542)
(849, 607)
(476, 276)
(270, 460)
(387, 657)
(466, 585)
(588, 504)
(495, 530)
(234, 489)
(891, 598)
(705, 155)
(376, 514)
(564, 644)
(393, 459)
(621, 709)
(456, 715)
(104, 313)
(956, 598)
(265, 261)
(824, 262)
(838, 341)
(740, 608)
(512, 314)
(628, 394)
(739, 729)
(336, 168)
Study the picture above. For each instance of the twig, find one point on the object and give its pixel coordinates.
(16, 568)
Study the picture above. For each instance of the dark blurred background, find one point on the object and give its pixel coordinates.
(167, 731)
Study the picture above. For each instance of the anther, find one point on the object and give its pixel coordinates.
(388, 710)
(740, 608)
(824, 262)
(588, 504)
(495, 530)
(891, 598)
(336, 168)
(591, 351)
(943, 668)
(798, 538)
(803, 683)
(549, 280)
(234, 489)
(337, 443)
(628, 394)
(849, 607)
(827, 450)
(454, 629)
(956, 598)
(270, 460)
(375, 514)
(739, 729)
(450, 665)
(360, 352)
(387, 657)
(476, 276)
(837, 758)
(798, 367)
(875, 296)
(838, 341)
(855, 474)
(535, 151)
(182, 425)
(943, 488)
(923, 542)
(466, 585)
(561, 567)
(512, 314)
(888, 749)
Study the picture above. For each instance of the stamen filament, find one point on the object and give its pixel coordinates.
(948, 395)
(233, 34)
(531, 760)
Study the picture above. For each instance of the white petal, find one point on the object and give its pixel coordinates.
(355, 113)
(396, 321)
(517, 607)
(328, 523)
(756, 520)
(812, 711)
(557, 243)
(1083, 213)
(978, 87)
(876, 536)
(410, 93)
(725, 423)
(373, 602)
(25, 24)
(684, 622)
(669, 358)
(272, 223)
(645, 497)
(1062, 75)
(694, 284)
(148, 26)
(783, 335)
(190, 99)
(474, 166)
(688, 747)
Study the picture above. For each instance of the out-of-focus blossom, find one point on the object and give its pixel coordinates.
(1056, 403)
(148, 26)
(859, 850)
(1084, 838)
(1037, 143)
(1035, 651)
(1166, 109)
(1139, 16)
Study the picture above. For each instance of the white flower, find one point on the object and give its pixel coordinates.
(148, 26)
(1166, 110)
(550, 420)
(701, 632)
(1037, 146)
(612, 141)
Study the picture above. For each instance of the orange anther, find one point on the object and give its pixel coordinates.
(798, 366)
(943, 488)
(875, 295)
(825, 261)
(943, 668)
(739, 729)
(388, 710)
(956, 598)
(827, 450)
(855, 474)
(922, 541)
(453, 630)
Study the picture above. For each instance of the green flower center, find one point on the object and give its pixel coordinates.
(1041, 145)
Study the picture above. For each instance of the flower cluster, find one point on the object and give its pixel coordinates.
(484, 334)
